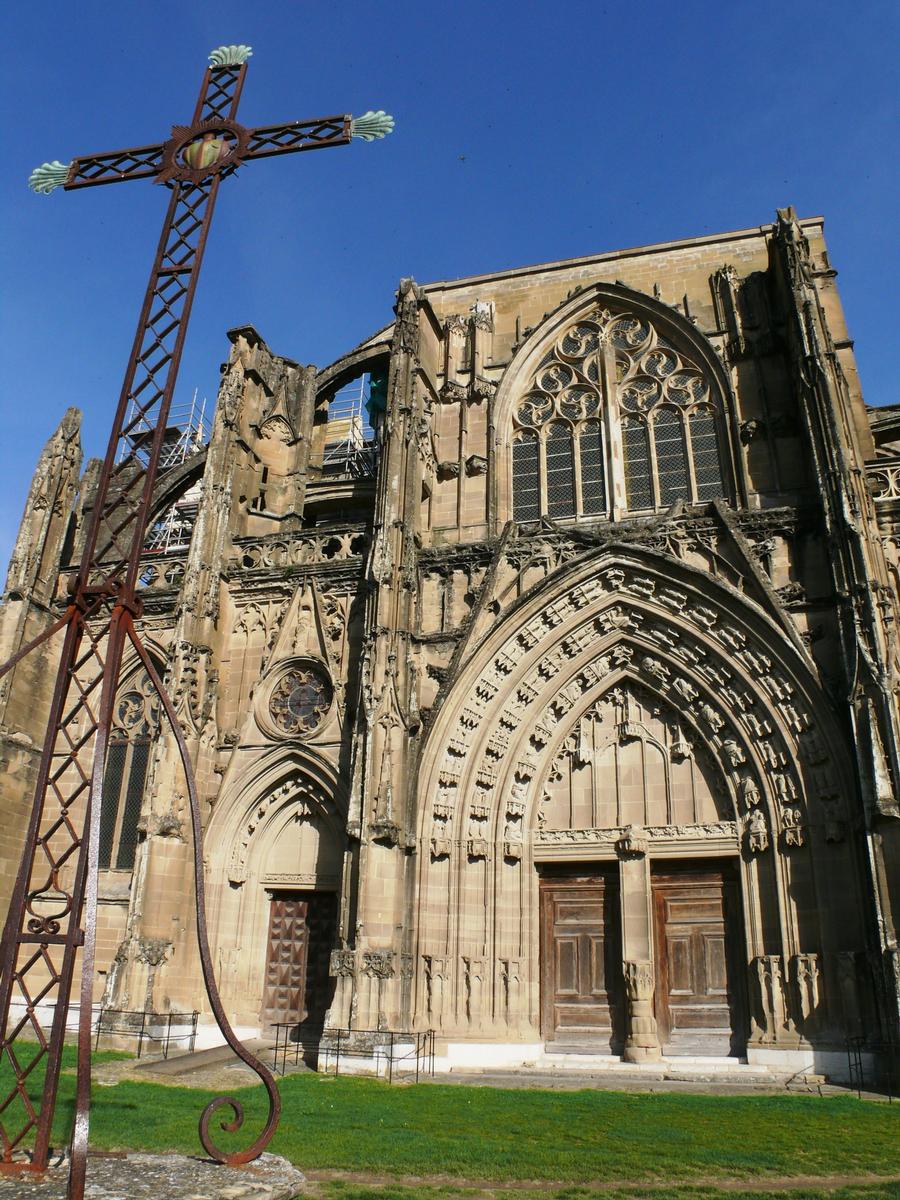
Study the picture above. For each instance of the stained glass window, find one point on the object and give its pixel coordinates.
(560, 471)
(526, 480)
(300, 700)
(135, 722)
(593, 486)
(671, 460)
(705, 454)
(638, 474)
(668, 407)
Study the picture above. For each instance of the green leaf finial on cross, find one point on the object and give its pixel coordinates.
(229, 56)
(372, 125)
(47, 176)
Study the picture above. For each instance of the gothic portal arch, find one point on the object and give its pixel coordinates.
(626, 716)
(615, 403)
(275, 868)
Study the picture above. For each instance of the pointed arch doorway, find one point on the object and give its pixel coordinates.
(640, 919)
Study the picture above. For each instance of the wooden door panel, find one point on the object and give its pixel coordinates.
(579, 943)
(597, 950)
(301, 934)
(566, 966)
(681, 965)
(699, 993)
(715, 966)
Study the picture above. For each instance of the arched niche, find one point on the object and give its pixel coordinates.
(279, 828)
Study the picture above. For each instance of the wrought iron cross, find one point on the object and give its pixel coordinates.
(52, 914)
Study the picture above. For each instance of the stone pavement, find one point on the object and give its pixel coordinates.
(163, 1177)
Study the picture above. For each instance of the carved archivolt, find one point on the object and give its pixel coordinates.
(294, 794)
(262, 797)
(636, 619)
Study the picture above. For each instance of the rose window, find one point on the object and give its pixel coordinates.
(300, 700)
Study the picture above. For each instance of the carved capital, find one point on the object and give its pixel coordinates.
(632, 843)
(639, 981)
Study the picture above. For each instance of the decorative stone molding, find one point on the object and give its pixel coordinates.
(342, 964)
(481, 389)
(386, 831)
(805, 976)
(767, 992)
(298, 550)
(632, 843)
(710, 830)
(378, 964)
(452, 392)
(642, 1041)
(152, 951)
(456, 324)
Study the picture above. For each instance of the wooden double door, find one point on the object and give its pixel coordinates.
(699, 993)
(297, 984)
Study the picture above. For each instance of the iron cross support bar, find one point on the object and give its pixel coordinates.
(52, 913)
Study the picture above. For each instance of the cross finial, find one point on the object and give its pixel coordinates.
(229, 56)
(372, 125)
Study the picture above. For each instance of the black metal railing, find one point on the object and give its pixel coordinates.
(163, 1028)
(393, 1053)
(874, 1066)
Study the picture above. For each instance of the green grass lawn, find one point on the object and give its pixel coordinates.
(342, 1191)
(473, 1134)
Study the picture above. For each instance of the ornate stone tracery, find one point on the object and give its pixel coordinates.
(612, 379)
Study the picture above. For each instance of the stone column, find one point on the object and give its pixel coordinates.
(642, 1039)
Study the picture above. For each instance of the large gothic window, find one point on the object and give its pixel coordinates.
(135, 722)
(610, 378)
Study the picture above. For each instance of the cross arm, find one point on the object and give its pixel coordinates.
(266, 140)
(91, 170)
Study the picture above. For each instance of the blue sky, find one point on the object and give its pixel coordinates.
(525, 132)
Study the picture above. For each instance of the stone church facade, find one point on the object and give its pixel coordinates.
(558, 714)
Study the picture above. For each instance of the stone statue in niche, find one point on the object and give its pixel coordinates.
(757, 832)
(792, 827)
(832, 811)
(711, 717)
(686, 691)
(750, 793)
(733, 752)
